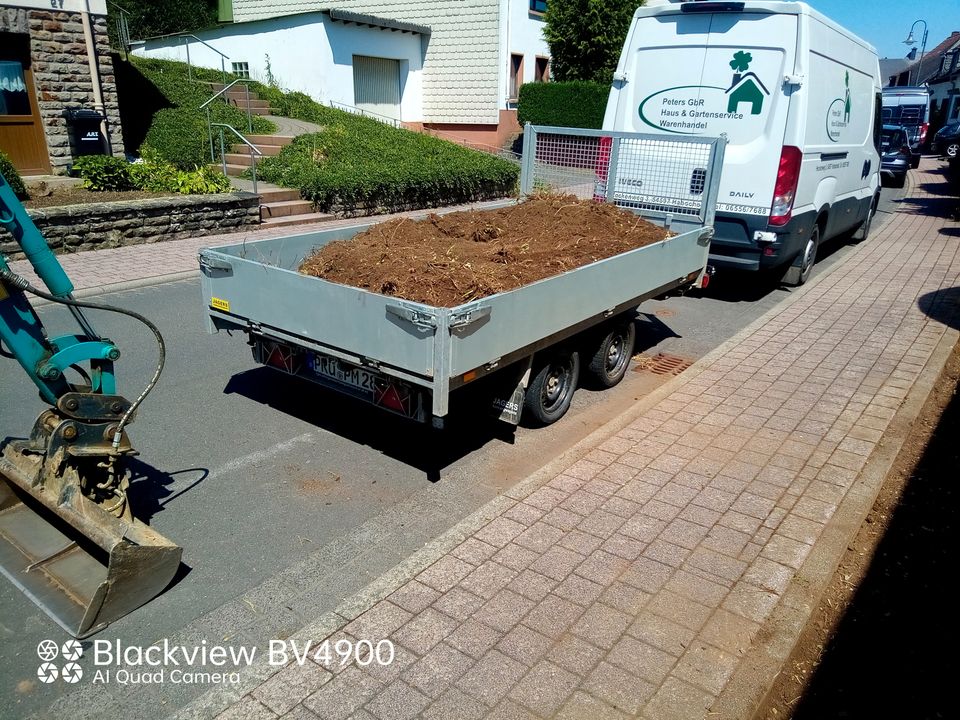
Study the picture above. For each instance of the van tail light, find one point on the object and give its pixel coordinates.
(923, 132)
(786, 188)
(602, 168)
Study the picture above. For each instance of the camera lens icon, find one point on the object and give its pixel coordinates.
(71, 650)
(48, 650)
(72, 672)
(47, 673)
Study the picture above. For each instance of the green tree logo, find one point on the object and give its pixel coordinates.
(741, 61)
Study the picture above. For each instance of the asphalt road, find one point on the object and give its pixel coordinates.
(273, 486)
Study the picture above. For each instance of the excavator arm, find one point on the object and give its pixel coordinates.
(67, 536)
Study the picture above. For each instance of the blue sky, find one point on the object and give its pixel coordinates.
(885, 23)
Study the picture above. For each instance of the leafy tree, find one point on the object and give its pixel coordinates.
(164, 17)
(586, 37)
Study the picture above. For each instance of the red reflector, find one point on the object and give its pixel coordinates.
(788, 175)
(705, 280)
(390, 397)
(768, 251)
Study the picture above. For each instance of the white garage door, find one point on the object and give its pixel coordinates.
(376, 85)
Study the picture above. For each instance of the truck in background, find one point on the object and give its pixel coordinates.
(908, 107)
(798, 98)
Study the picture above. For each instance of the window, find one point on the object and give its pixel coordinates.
(241, 69)
(541, 71)
(538, 6)
(516, 75)
(13, 90)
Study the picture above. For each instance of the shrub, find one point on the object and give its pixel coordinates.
(12, 177)
(176, 127)
(578, 103)
(103, 172)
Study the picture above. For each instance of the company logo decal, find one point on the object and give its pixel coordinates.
(838, 113)
(689, 109)
(48, 671)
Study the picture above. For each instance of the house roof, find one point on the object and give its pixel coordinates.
(930, 65)
(892, 66)
(354, 18)
(743, 77)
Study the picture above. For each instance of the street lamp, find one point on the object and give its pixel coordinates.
(923, 45)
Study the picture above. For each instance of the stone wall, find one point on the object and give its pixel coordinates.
(61, 74)
(94, 226)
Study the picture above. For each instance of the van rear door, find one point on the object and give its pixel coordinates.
(712, 73)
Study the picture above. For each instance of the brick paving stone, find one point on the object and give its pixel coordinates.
(639, 658)
(515, 557)
(388, 672)
(507, 709)
(445, 573)
(491, 678)
(247, 709)
(601, 625)
(706, 666)
(684, 533)
(661, 633)
(601, 523)
(562, 518)
(455, 704)
(579, 590)
(786, 551)
(557, 562)
(544, 688)
(474, 638)
(504, 610)
(602, 567)
(523, 514)
(474, 551)
(343, 695)
(729, 631)
(553, 616)
(676, 607)
(291, 685)
(298, 712)
(398, 702)
(499, 531)
(625, 598)
(488, 579)
(624, 547)
(546, 498)
(378, 622)
(539, 537)
(525, 645)
(619, 688)
(751, 602)
(666, 553)
(458, 603)
(726, 540)
(581, 706)
(647, 574)
(414, 596)
(643, 528)
(436, 671)
(532, 585)
(580, 542)
(425, 630)
(696, 587)
(676, 700)
(565, 483)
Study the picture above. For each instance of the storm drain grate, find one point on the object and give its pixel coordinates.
(663, 364)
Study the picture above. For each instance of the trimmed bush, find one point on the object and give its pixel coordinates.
(12, 177)
(578, 103)
(154, 174)
(160, 107)
(103, 172)
(381, 169)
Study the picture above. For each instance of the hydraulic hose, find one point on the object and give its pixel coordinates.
(23, 284)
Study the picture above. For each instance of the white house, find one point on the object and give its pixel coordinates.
(450, 66)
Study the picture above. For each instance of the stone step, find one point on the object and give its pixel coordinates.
(278, 195)
(241, 101)
(285, 208)
(231, 170)
(265, 149)
(297, 219)
(238, 158)
(262, 140)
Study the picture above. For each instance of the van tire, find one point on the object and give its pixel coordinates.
(801, 269)
(612, 357)
(550, 392)
(952, 150)
(863, 232)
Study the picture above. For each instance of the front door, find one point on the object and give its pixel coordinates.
(21, 129)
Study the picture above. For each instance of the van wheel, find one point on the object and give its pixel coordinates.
(862, 232)
(798, 273)
(551, 390)
(610, 362)
(952, 150)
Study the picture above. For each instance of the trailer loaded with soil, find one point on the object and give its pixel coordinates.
(505, 303)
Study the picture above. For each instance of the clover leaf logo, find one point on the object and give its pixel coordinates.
(741, 61)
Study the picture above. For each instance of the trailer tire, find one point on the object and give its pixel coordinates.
(551, 389)
(611, 360)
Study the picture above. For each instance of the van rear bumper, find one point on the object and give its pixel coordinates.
(733, 244)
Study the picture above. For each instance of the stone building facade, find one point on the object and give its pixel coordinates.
(45, 69)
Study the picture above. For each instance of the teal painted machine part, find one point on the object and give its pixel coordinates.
(15, 219)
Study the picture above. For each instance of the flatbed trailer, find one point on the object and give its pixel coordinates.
(521, 348)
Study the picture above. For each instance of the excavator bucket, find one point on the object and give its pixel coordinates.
(84, 567)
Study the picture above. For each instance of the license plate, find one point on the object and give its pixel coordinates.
(344, 373)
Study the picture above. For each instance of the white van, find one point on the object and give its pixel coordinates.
(798, 98)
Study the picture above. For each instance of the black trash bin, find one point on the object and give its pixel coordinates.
(88, 138)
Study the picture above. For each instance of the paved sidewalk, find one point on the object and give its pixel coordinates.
(651, 577)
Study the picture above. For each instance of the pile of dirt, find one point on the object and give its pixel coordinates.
(448, 260)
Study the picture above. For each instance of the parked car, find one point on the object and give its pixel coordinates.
(896, 156)
(908, 107)
(947, 140)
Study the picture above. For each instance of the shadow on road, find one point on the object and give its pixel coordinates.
(414, 444)
(890, 655)
(151, 488)
(943, 306)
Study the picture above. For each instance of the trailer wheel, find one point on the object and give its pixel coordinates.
(610, 362)
(550, 391)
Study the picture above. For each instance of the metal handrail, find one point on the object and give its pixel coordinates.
(206, 104)
(223, 57)
(253, 149)
(354, 110)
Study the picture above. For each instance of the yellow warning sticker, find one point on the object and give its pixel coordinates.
(220, 304)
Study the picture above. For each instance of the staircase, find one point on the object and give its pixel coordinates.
(237, 96)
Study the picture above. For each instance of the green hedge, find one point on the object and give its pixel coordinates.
(578, 103)
(159, 107)
(12, 177)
